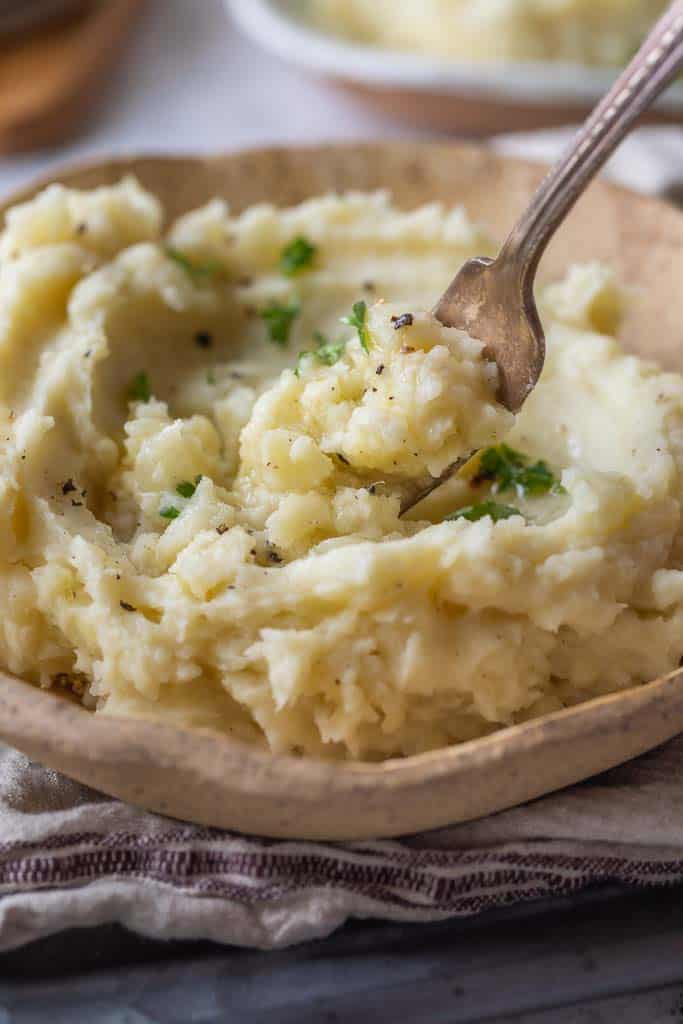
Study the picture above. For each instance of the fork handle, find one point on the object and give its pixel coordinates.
(651, 70)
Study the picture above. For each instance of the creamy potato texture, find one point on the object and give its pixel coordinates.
(582, 31)
(201, 472)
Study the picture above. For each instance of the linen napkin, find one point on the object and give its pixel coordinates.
(71, 857)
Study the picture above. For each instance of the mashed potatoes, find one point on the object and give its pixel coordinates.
(583, 31)
(201, 471)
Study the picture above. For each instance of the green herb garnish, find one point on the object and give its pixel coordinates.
(279, 319)
(296, 256)
(194, 269)
(169, 512)
(358, 319)
(327, 352)
(140, 389)
(511, 470)
(210, 377)
(186, 489)
(299, 359)
(487, 508)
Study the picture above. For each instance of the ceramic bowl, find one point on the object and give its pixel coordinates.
(476, 98)
(211, 779)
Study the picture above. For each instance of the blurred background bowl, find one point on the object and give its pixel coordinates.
(477, 98)
(21, 15)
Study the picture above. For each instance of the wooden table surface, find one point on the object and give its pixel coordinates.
(603, 957)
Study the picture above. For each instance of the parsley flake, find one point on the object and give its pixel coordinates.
(487, 508)
(299, 360)
(327, 352)
(169, 512)
(358, 319)
(193, 268)
(278, 319)
(296, 256)
(511, 470)
(186, 489)
(140, 389)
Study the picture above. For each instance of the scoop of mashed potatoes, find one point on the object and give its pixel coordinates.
(205, 440)
(582, 31)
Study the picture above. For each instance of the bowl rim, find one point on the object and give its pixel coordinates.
(302, 776)
(545, 83)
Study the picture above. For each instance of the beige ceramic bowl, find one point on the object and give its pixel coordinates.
(211, 779)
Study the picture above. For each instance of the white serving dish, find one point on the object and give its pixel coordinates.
(475, 97)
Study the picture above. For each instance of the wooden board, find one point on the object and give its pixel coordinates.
(214, 780)
(51, 78)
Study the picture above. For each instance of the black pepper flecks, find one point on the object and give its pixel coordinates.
(223, 528)
(405, 320)
(68, 486)
(380, 370)
(203, 339)
(342, 458)
(127, 607)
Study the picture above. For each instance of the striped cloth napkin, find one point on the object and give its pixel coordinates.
(71, 857)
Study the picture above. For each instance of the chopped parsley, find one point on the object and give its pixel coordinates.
(510, 470)
(487, 508)
(193, 268)
(186, 489)
(299, 360)
(358, 319)
(140, 389)
(210, 377)
(169, 512)
(327, 352)
(296, 256)
(278, 319)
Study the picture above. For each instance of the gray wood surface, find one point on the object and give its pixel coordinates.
(663, 1006)
(595, 959)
